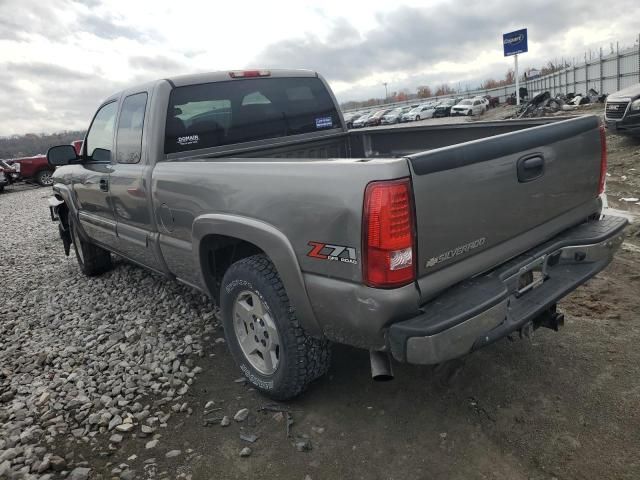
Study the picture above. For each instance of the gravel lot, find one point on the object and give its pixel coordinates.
(126, 376)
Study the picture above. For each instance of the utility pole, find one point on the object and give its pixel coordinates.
(386, 93)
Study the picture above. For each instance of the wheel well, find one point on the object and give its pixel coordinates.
(63, 212)
(217, 254)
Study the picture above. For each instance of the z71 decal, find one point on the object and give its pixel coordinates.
(333, 253)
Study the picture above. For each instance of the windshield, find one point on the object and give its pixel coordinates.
(466, 102)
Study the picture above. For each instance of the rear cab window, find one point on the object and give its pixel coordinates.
(245, 110)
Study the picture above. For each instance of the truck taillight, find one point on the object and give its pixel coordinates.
(603, 159)
(388, 234)
(249, 73)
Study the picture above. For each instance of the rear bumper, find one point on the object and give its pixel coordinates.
(486, 308)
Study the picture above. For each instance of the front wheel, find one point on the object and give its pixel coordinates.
(44, 178)
(262, 331)
(469, 113)
(92, 259)
(417, 118)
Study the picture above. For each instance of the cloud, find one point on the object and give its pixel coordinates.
(60, 59)
(21, 19)
(156, 64)
(411, 38)
(108, 27)
(44, 70)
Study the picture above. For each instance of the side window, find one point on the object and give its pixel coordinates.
(100, 136)
(129, 139)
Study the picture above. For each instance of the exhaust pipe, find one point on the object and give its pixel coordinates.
(381, 370)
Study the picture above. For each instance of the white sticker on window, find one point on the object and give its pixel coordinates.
(188, 140)
(324, 122)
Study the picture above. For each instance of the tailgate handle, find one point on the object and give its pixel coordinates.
(530, 167)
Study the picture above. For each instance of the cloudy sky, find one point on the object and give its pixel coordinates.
(60, 58)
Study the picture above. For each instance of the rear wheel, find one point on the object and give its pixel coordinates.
(92, 259)
(44, 178)
(264, 336)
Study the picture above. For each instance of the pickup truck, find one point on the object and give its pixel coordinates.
(36, 168)
(420, 244)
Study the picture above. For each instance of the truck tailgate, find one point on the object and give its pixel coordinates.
(480, 203)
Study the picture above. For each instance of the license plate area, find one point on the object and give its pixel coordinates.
(531, 276)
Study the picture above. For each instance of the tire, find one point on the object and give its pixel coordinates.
(469, 113)
(417, 118)
(44, 178)
(92, 260)
(254, 302)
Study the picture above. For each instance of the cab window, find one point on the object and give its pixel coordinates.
(99, 143)
(129, 147)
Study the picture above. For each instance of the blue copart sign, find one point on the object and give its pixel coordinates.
(515, 42)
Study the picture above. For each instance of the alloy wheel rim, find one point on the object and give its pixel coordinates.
(46, 178)
(256, 332)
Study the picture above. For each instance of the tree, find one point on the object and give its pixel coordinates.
(32, 144)
(510, 77)
(489, 83)
(424, 92)
(444, 89)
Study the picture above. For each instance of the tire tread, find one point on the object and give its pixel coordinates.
(313, 356)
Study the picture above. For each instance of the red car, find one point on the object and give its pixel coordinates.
(37, 168)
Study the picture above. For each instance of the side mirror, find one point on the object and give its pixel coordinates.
(61, 155)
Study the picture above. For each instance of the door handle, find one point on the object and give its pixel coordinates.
(104, 184)
(530, 167)
(531, 163)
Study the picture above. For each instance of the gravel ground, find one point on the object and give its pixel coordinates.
(126, 376)
(92, 360)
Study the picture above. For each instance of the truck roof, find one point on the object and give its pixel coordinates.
(223, 76)
(210, 77)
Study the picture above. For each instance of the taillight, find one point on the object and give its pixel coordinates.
(603, 159)
(388, 246)
(249, 73)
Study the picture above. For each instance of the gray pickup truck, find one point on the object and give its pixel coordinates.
(420, 243)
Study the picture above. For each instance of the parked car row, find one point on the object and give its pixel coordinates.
(411, 113)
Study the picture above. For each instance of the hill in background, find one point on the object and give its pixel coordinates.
(32, 144)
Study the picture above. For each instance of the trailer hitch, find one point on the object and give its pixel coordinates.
(550, 318)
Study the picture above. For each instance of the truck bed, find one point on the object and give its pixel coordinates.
(464, 182)
(379, 142)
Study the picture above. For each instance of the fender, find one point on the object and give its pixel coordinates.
(271, 241)
(64, 191)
